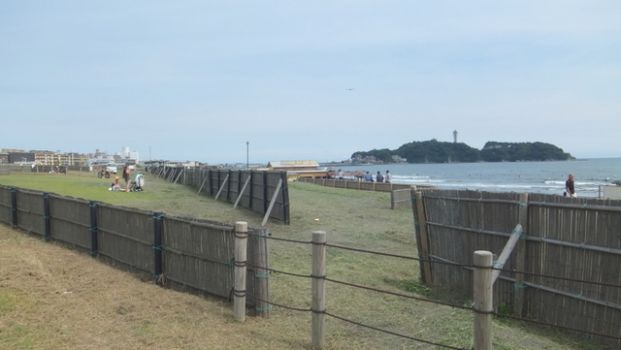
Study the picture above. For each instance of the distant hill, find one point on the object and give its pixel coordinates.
(433, 151)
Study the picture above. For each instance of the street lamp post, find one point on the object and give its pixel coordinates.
(247, 154)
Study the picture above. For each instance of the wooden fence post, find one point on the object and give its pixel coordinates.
(285, 196)
(483, 299)
(318, 288)
(418, 206)
(46, 217)
(262, 289)
(239, 289)
(93, 229)
(520, 258)
(157, 245)
(13, 207)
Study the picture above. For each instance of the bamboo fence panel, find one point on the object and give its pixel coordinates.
(577, 239)
(5, 205)
(30, 211)
(70, 221)
(126, 235)
(199, 255)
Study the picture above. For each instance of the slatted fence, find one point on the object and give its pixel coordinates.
(356, 184)
(568, 262)
(264, 192)
(184, 252)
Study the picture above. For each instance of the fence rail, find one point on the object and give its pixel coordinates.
(264, 192)
(186, 252)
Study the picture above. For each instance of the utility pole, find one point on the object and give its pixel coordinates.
(247, 154)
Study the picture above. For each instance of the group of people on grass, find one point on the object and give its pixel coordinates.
(116, 186)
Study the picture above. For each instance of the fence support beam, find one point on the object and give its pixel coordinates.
(239, 289)
(226, 179)
(202, 185)
(179, 175)
(318, 289)
(241, 193)
(272, 202)
(506, 251)
(483, 297)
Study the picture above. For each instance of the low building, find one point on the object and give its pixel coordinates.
(50, 158)
(298, 168)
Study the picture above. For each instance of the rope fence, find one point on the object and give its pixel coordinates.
(319, 312)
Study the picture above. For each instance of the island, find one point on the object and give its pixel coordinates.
(434, 151)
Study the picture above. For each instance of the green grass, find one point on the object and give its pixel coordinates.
(353, 218)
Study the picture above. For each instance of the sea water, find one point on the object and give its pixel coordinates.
(539, 177)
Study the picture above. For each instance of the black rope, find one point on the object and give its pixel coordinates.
(559, 327)
(373, 252)
(287, 307)
(398, 294)
(279, 271)
(280, 239)
(393, 333)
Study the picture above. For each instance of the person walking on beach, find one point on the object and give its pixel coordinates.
(569, 187)
(388, 177)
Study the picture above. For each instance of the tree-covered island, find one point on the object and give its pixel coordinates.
(433, 151)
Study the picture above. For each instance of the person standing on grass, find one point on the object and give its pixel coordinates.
(126, 176)
(570, 187)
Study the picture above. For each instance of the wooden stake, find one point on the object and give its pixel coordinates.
(483, 299)
(318, 289)
(239, 289)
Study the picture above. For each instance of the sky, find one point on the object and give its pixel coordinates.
(195, 80)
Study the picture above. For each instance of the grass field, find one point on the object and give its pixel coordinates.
(52, 297)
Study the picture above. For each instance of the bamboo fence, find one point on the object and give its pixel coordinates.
(568, 261)
(180, 252)
(264, 192)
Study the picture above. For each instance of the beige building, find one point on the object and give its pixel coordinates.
(49, 158)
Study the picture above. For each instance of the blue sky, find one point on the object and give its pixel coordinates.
(307, 80)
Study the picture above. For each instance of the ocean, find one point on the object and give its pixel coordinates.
(538, 177)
